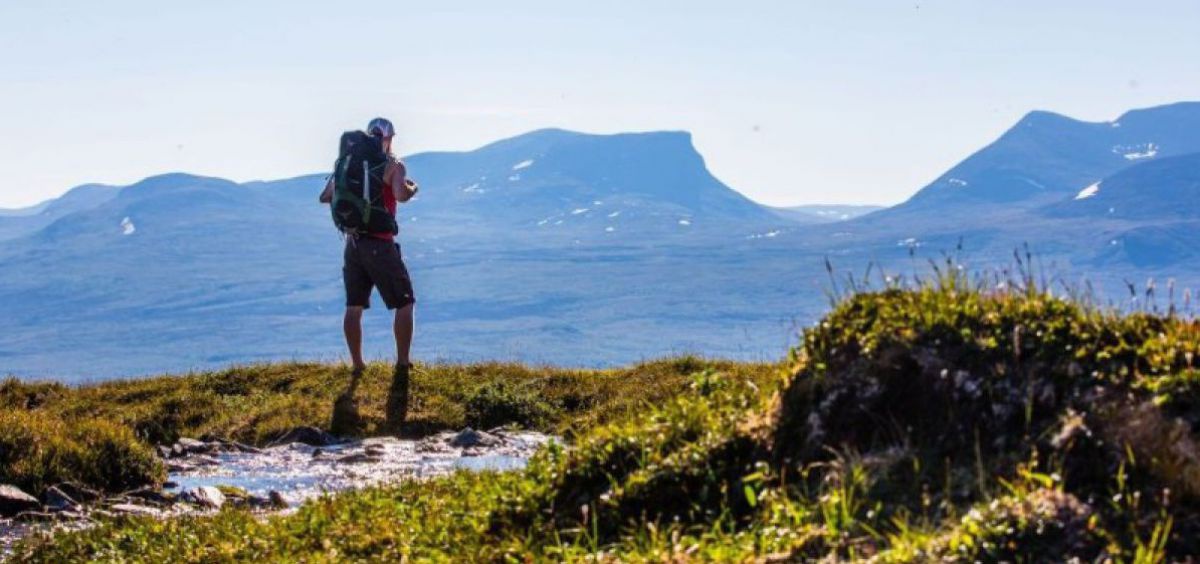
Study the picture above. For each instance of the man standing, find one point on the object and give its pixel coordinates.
(373, 260)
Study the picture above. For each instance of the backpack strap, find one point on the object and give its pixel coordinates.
(367, 192)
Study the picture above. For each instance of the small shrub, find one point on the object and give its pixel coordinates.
(500, 403)
(38, 450)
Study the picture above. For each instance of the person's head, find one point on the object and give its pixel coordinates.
(382, 129)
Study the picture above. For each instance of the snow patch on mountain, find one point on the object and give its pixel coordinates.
(127, 226)
(1136, 152)
(1088, 192)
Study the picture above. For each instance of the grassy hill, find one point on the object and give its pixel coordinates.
(943, 422)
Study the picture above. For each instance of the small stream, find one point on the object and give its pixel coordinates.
(297, 472)
(300, 472)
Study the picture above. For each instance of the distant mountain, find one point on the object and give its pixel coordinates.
(1158, 189)
(1047, 156)
(569, 248)
(560, 182)
(15, 223)
(824, 213)
(543, 236)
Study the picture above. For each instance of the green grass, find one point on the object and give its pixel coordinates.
(936, 423)
(38, 450)
(53, 427)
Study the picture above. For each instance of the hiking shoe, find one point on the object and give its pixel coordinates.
(346, 420)
(397, 400)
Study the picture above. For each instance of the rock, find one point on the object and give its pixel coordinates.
(375, 450)
(151, 495)
(318, 452)
(234, 493)
(258, 502)
(179, 467)
(242, 447)
(58, 500)
(471, 438)
(13, 501)
(169, 485)
(436, 443)
(81, 494)
(133, 509)
(164, 451)
(202, 460)
(277, 500)
(193, 446)
(311, 436)
(36, 517)
(358, 457)
(206, 496)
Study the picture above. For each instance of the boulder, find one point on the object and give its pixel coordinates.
(375, 450)
(81, 494)
(277, 500)
(13, 501)
(206, 496)
(58, 500)
(151, 495)
(471, 438)
(358, 458)
(193, 446)
(203, 460)
(311, 436)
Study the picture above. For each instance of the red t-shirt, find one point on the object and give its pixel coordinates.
(389, 200)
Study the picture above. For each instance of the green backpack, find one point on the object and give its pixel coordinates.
(358, 186)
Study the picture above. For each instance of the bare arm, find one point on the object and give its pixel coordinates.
(327, 193)
(402, 187)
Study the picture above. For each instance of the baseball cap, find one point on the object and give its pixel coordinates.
(381, 127)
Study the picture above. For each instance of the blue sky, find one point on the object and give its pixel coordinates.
(790, 102)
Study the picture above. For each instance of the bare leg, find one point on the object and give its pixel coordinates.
(403, 327)
(352, 326)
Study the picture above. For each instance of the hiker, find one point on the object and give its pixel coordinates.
(363, 191)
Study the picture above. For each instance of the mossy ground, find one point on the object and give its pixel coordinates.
(937, 423)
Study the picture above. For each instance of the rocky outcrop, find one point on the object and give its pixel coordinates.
(14, 501)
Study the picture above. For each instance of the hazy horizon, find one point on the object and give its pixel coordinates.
(789, 104)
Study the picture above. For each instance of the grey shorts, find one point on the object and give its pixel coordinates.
(375, 263)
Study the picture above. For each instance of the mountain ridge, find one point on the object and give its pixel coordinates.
(553, 247)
